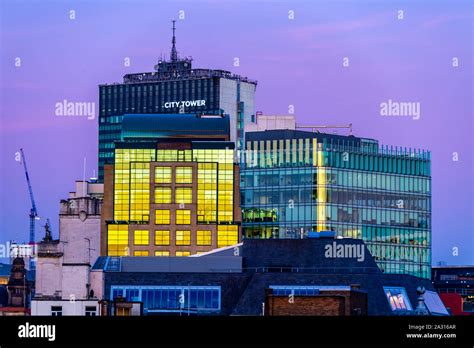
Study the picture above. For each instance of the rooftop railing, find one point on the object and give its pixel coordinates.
(182, 75)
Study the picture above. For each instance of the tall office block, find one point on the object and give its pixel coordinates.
(174, 87)
(172, 190)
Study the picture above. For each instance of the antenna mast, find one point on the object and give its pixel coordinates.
(174, 53)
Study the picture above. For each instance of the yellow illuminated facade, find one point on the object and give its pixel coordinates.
(204, 237)
(165, 199)
(117, 240)
(162, 237)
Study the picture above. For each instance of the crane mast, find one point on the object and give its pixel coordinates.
(33, 212)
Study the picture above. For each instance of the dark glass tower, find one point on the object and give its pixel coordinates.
(174, 87)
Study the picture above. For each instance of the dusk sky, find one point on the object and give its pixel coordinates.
(426, 57)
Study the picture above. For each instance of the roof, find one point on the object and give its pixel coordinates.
(265, 263)
(169, 264)
(146, 126)
(453, 267)
(308, 254)
(277, 134)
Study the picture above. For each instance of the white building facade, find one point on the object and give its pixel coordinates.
(63, 284)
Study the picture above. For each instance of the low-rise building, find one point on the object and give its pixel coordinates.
(256, 277)
(63, 265)
(455, 285)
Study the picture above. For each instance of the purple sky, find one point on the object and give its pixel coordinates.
(296, 62)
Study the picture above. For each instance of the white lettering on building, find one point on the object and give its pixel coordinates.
(184, 103)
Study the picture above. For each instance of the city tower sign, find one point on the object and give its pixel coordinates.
(184, 103)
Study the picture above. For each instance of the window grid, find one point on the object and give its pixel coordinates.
(183, 237)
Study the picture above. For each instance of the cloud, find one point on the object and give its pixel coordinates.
(445, 18)
(309, 31)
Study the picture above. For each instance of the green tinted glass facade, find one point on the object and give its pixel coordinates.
(315, 182)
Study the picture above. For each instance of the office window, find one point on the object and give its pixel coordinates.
(162, 237)
(184, 195)
(183, 253)
(183, 217)
(140, 253)
(162, 195)
(227, 235)
(162, 217)
(184, 175)
(204, 238)
(162, 253)
(171, 298)
(56, 311)
(139, 191)
(298, 290)
(163, 175)
(183, 237)
(141, 237)
(117, 240)
(91, 311)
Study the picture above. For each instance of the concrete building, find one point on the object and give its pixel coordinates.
(252, 277)
(270, 122)
(63, 265)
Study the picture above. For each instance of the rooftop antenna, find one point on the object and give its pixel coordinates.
(174, 53)
(93, 177)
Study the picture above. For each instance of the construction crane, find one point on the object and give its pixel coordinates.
(33, 212)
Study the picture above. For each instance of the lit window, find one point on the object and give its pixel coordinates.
(183, 253)
(163, 175)
(183, 237)
(162, 217)
(162, 253)
(162, 237)
(140, 253)
(117, 240)
(184, 175)
(397, 298)
(204, 238)
(184, 195)
(162, 195)
(227, 235)
(141, 237)
(183, 217)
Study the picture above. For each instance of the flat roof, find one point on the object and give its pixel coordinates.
(174, 126)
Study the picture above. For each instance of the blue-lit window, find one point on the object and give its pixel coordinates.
(283, 290)
(192, 299)
(116, 293)
(132, 295)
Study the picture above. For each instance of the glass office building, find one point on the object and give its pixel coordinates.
(175, 87)
(171, 191)
(295, 182)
